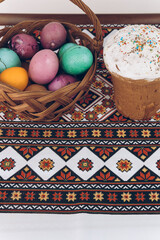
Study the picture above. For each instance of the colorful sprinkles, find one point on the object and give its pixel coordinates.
(145, 37)
(134, 52)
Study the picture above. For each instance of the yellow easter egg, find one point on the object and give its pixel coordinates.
(16, 77)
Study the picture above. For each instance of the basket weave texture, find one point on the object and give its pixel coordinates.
(47, 105)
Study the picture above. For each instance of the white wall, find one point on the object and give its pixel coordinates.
(65, 6)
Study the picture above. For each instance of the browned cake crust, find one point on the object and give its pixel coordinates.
(136, 99)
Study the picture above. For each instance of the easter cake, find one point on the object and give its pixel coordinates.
(132, 56)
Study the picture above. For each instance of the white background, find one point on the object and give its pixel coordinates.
(79, 226)
(65, 6)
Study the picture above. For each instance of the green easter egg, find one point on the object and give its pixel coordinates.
(8, 59)
(76, 60)
(65, 47)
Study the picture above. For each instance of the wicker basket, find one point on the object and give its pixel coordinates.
(47, 105)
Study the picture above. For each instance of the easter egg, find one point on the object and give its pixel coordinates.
(36, 87)
(60, 81)
(8, 58)
(76, 60)
(16, 77)
(24, 45)
(43, 66)
(53, 35)
(65, 47)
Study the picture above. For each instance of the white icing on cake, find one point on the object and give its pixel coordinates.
(134, 52)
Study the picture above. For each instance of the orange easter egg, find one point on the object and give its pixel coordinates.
(16, 77)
